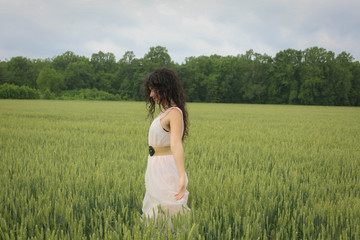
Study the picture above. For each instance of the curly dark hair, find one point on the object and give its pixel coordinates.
(168, 86)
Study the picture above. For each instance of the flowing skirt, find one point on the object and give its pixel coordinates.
(161, 183)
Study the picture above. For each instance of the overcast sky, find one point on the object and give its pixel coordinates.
(47, 28)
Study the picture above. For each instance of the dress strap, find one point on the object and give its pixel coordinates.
(167, 111)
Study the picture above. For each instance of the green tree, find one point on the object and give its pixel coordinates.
(3, 72)
(342, 78)
(79, 75)
(230, 75)
(312, 76)
(186, 77)
(129, 76)
(128, 58)
(105, 62)
(49, 79)
(354, 94)
(255, 75)
(104, 81)
(157, 57)
(283, 86)
(60, 63)
(21, 72)
(315, 83)
(212, 81)
(198, 69)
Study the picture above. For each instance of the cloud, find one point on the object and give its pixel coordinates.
(40, 28)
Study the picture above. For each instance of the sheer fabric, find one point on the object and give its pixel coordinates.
(161, 177)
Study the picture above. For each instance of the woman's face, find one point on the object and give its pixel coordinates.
(154, 94)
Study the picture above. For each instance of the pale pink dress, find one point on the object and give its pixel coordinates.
(161, 177)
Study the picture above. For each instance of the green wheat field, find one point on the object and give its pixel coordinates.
(75, 170)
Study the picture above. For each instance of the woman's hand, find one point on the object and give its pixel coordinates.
(182, 188)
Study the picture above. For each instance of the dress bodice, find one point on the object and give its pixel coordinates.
(158, 137)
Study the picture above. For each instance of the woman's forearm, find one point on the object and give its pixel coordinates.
(178, 153)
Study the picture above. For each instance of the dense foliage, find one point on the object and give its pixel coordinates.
(13, 91)
(75, 170)
(314, 76)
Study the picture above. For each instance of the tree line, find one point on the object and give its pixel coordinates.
(313, 76)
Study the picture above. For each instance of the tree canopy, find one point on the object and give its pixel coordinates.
(312, 76)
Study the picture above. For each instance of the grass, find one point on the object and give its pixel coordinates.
(75, 169)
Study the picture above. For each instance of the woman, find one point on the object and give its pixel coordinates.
(165, 178)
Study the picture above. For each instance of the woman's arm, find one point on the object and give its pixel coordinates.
(176, 126)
